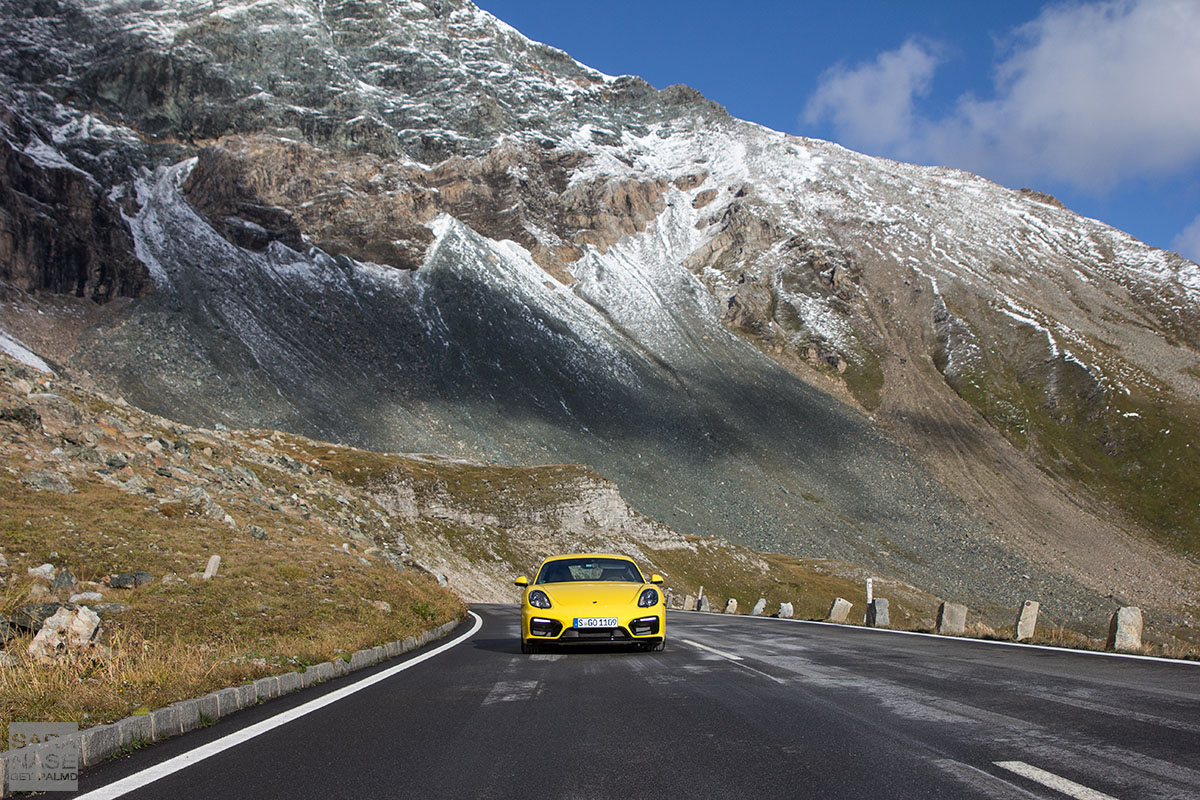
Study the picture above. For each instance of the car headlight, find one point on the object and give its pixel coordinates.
(539, 599)
(649, 598)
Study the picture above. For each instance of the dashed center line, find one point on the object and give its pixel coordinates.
(1052, 781)
(721, 653)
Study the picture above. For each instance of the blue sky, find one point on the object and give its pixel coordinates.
(1097, 103)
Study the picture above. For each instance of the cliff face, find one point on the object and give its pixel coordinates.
(59, 231)
(405, 226)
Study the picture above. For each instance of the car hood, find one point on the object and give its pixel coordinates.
(588, 592)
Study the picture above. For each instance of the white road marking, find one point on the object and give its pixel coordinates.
(508, 691)
(184, 760)
(1052, 781)
(721, 653)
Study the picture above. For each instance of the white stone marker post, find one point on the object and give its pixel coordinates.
(952, 619)
(214, 563)
(1125, 630)
(1027, 620)
(839, 611)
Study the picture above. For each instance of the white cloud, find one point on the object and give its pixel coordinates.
(1187, 243)
(874, 102)
(1090, 94)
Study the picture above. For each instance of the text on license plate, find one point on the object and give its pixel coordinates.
(595, 622)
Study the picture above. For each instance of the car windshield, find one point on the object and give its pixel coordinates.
(566, 570)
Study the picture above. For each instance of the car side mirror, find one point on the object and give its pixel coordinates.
(522, 581)
(656, 578)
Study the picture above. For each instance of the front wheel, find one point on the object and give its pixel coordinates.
(528, 648)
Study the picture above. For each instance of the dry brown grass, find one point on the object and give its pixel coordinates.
(297, 598)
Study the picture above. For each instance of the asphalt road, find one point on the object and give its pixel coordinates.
(734, 707)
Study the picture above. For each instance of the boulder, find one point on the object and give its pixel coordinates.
(731, 606)
(45, 572)
(1125, 630)
(68, 631)
(703, 604)
(63, 581)
(759, 608)
(48, 481)
(689, 602)
(86, 597)
(214, 563)
(951, 619)
(258, 533)
(785, 611)
(59, 416)
(839, 610)
(31, 616)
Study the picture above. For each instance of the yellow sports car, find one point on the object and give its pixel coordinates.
(591, 598)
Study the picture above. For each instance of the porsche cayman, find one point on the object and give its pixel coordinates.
(592, 598)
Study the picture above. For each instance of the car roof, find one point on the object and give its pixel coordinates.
(587, 555)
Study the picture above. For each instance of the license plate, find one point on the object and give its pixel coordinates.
(595, 622)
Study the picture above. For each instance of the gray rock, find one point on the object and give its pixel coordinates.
(877, 613)
(1026, 620)
(689, 602)
(258, 533)
(141, 578)
(951, 619)
(123, 580)
(48, 481)
(785, 611)
(45, 572)
(31, 616)
(86, 597)
(6, 629)
(214, 563)
(68, 631)
(759, 608)
(839, 610)
(63, 580)
(106, 610)
(1125, 630)
(703, 604)
(731, 606)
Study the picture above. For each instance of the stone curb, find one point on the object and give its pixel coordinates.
(102, 742)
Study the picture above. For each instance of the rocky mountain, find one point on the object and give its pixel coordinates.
(406, 227)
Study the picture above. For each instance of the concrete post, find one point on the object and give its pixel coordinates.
(951, 619)
(1027, 620)
(1125, 630)
(759, 607)
(877, 613)
(839, 611)
(214, 563)
(785, 611)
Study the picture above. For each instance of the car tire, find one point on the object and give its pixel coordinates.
(528, 648)
(659, 647)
